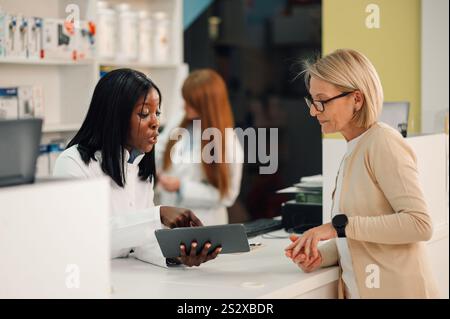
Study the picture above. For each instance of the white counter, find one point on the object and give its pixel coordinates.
(262, 273)
(54, 239)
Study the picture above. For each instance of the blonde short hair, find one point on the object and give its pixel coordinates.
(350, 70)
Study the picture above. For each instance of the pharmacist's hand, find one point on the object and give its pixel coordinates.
(310, 239)
(174, 217)
(194, 259)
(169, 183)
(302, 260)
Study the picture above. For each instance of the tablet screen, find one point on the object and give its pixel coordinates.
(232, 238)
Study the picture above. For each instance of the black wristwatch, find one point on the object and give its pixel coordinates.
(339, 223)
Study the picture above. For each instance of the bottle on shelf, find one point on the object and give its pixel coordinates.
(161, 42)
(106, 29)
(145, 37)
(128, 33)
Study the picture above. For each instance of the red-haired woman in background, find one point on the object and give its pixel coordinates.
(204, 179)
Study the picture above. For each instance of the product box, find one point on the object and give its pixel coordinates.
(34, 37)
(26, 104)
(85, 42)
(30, 100)
(58, 39)
(25, 98)
(9, 103)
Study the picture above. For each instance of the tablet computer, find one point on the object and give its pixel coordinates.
(231, 237)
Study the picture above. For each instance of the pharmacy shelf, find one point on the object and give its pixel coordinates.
(62, 62)
(68, 85)
(137, 65)
(55, 128)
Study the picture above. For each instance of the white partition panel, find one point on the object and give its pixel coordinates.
(54, 239)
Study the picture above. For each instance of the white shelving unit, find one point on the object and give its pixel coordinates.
(68, 85)
(137, 65)
(43, 62)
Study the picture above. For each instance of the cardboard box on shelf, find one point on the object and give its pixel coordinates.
(58, 39)
(24, 101)
(8, 103)
(31, 102)
(25, 98)
(48, 153)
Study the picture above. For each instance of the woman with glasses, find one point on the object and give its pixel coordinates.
(379, 216)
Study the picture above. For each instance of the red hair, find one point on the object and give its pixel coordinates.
(205, 91)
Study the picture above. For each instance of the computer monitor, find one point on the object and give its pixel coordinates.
(19, 149)
(396, 115)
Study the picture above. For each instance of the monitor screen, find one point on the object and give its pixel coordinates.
(19, 149)
(396, 115)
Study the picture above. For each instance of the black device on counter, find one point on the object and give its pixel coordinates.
(262, 226)
(299, 217)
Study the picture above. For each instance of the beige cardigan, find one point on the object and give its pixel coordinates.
(388, 219)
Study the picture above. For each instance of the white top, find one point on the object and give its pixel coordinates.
(195, 192)
(134, 217)
(345, 258)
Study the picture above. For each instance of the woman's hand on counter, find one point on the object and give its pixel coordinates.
(310, 239)
(308, 264)
(178, 217)
(302, 260)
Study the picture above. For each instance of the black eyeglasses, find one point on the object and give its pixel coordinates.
(320, 105)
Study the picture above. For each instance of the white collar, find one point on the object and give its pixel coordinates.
(351, 145)
(137, 160)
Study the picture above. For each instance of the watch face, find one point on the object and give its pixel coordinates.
(340, 220)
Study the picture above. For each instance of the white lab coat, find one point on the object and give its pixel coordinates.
(195, 192)
(134, 217)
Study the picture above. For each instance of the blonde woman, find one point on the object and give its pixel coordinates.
(379, 215)
(204, 186)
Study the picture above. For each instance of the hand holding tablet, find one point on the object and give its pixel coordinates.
(230, 238)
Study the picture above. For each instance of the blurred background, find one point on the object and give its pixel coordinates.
(258, 46)
(48, 68)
